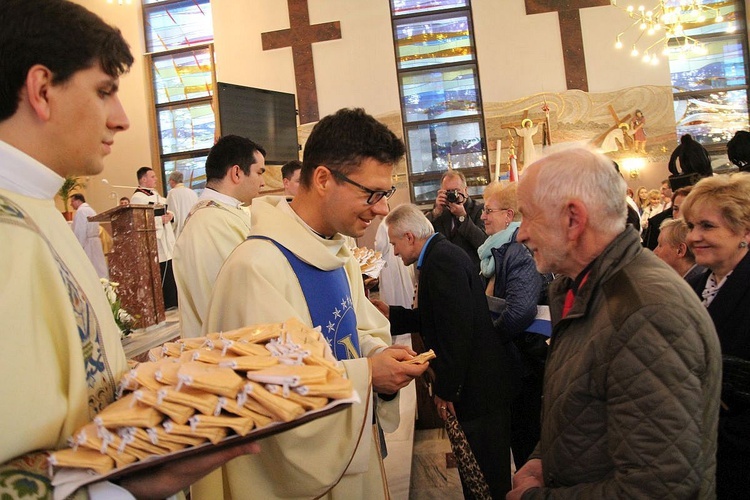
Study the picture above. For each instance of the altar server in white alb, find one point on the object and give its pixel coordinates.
(88, 234)
(146, 194)
(296, 264)
(61, 357)
(180, 200)
(216, 225)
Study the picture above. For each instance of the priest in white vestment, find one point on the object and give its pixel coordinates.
(146, 194)
(180, 201)
(87, 234)
(342, 190)
(216, 225)
(62, 356)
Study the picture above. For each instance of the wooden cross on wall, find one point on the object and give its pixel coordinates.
(568, 12)
(300, 36)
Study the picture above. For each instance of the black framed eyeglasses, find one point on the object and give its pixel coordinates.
(375, 195)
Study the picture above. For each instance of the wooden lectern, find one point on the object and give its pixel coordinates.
(134, 262)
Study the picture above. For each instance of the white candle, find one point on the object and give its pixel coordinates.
(497, 160)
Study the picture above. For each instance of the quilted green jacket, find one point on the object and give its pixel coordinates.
(632, 383)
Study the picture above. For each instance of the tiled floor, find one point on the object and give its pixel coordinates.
(416, 463)
(424, 474)
(431, 479)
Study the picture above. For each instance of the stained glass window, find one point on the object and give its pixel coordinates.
(709, 79)
(440, 93)
(193, 171)
(186, 128)
(712, 118)
(433, 40)
(402, 7)
(432, 147)
(178, 38)
(183, 75)
(177, 24)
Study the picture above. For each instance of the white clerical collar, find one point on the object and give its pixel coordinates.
(214, 195)
(22, 174)
(284, 206)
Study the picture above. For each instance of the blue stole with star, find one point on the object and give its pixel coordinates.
(329, 301)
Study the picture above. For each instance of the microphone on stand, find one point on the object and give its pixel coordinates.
(105, 181)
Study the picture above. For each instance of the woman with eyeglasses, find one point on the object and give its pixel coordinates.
(717, 212)
(514, 289)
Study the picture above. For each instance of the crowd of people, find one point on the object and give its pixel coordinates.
(559, 334)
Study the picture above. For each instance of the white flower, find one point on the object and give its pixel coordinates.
(124, 316)
(123, 319)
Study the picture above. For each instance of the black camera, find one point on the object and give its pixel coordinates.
(454, 196)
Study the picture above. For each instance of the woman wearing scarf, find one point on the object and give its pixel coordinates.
(717, 212)
(514, 288)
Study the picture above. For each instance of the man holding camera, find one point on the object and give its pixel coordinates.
(457, 216)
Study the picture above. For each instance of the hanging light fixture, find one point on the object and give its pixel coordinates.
(121, 2)
(667, 21)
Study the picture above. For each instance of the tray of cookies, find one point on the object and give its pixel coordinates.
(206, 393)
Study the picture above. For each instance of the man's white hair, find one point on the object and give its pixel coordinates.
(408, 218)
(176, 176)
(585, 175)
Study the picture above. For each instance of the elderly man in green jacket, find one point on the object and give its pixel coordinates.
(632, 381)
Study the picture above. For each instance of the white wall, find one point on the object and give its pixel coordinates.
(357, 70)
(132, 148)
(612, 69)
(521, 55)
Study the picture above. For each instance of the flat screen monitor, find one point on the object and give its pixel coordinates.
(264, 116)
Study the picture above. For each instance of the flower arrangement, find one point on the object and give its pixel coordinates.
(125, 321)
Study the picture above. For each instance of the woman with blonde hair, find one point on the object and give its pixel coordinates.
(641, 198)
(655, 206)
(717, 212)
(518, 287)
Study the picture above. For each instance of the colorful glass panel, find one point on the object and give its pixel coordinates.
(437, 94)
(433, 40)
(181, 76)
(433, 146)
(179, 24)
(186, 128)
(193, 171)
(712, 118)
(402, 7)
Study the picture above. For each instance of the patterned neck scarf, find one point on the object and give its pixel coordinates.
(712, 288)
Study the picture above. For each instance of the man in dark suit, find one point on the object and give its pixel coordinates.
(471, 378)
(457, 216)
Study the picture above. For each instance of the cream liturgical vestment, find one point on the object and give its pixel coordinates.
(215, 226)
(61, 354)
(180, 201)
(87, 234)
(257, 285)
